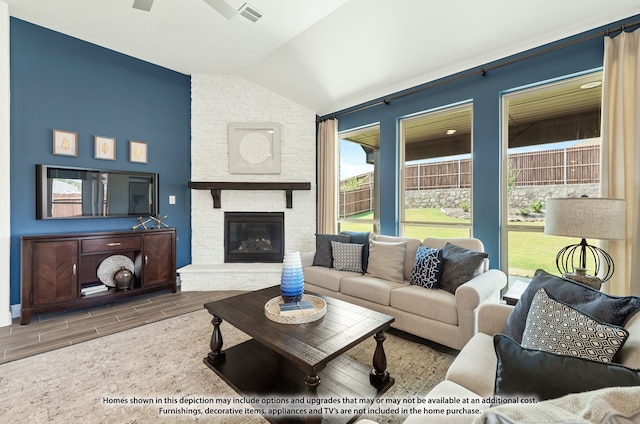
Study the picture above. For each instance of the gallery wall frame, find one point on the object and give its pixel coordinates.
(65, 143)
(104, 147)
(137, 151)
(254, 148)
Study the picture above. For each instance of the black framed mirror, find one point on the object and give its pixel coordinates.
(66, 192)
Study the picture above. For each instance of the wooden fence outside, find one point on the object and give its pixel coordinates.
(574, 165)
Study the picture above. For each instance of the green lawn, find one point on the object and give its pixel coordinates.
(528, 251)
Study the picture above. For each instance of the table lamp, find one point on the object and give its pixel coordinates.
(585, 217)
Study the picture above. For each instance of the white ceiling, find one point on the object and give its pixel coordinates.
(325, 54)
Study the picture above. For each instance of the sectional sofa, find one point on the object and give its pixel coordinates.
(389, 281)
(567, 388)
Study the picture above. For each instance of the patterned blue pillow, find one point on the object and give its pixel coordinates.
(427, 267)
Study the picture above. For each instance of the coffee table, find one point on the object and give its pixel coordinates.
(299, 359)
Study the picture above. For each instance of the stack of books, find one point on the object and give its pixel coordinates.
(93, 288)
(292, 309)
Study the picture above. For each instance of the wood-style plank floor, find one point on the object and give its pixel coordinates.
(52, 331)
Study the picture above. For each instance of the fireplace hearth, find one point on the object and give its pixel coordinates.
(253, 236)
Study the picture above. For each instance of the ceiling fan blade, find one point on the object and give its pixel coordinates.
(224, 8)
(143, 4)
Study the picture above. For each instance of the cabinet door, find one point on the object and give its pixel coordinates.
(54, 271)
(158, 259)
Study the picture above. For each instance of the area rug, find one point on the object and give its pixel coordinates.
(130, 376)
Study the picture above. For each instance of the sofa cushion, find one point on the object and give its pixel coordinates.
(427, 267)
(555, 327)
(629, 355)
(410, 252)
(600, 306)
(369, 288)
(323, 256)
(325, 277)
(434, 304)
(347, 256)
(475, 366)
(386, 260)
(459, 266)
(360, 237)
(542, 375)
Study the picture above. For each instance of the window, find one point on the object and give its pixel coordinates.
(359, 149)
(551, 147)
(436, 173)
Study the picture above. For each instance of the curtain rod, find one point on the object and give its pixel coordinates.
(482, 70)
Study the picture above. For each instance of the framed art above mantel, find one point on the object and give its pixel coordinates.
(254, 148)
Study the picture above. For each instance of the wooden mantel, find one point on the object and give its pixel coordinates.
(217, 187)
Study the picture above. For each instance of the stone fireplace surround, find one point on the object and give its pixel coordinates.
(218, 100)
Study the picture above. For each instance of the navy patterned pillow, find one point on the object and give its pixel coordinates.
(427, 267)
(598, 305)
(557, 328)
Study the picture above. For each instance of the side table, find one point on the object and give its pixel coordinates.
(516, 289)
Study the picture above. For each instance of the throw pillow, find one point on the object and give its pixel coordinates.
(360, 237)
(600, 306)
(534, 373)
(386, 260)
(347, 256)
(427, 268)
(557, 328)
(459, 265)
(323, 256)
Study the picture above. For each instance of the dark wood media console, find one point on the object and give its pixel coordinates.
(55, 267)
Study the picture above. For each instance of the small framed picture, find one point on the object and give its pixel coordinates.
(104, 147)
(65, 143)
(137, 151)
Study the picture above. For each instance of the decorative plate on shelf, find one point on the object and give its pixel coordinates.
(112, 264)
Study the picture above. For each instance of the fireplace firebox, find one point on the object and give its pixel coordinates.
(253, 236)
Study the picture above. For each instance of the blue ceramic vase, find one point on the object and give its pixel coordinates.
(292, 280)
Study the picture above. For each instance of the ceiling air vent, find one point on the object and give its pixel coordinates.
(143, 5)
(250, 12)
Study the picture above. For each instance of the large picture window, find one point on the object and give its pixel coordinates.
(436, 173)
(358, 190)
(551, 147)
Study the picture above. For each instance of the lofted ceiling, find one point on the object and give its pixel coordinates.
(326, 55)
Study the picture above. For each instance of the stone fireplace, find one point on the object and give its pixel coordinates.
(253, 237)
(217, 101)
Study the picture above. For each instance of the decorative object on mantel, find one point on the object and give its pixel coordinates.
(292, 279)
(217, 187)
(112, 264)
(122, 278)
(137, 151)
(272, 310)
(65, 143)
(157, 220)
(254, 148)
(585, 217)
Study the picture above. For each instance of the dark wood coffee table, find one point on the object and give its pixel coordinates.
(299, 359)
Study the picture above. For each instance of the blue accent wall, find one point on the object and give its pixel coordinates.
(64, 83)
(485, 93)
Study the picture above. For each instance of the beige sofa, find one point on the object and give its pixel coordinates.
(472, 376)
(432, 314)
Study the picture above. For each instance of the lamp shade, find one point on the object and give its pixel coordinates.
(586, 217)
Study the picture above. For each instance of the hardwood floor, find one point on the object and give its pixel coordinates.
(52, 331)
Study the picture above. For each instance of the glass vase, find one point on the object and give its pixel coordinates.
(292, 279)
